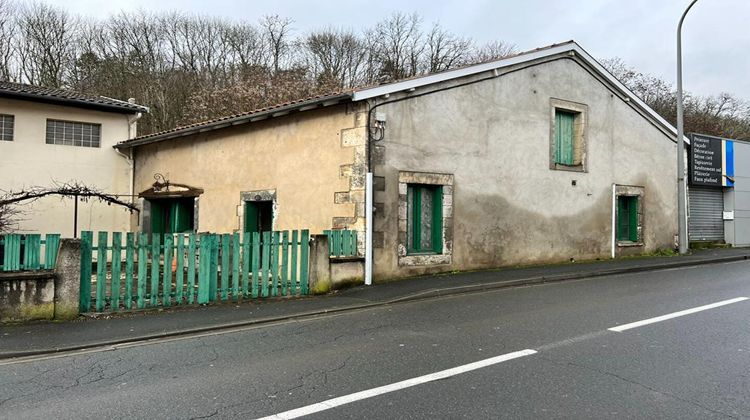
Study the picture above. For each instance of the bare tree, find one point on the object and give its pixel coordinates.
(46, 43)
(493, 50)
(277, 36)
(11, 212)
(721, 115)
(10, 216)
(7, 38)
(396, 44)
(445, 50)
(336, 57)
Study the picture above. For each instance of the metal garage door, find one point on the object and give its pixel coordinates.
(706, 221)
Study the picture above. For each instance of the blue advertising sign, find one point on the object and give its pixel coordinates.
(711, 161)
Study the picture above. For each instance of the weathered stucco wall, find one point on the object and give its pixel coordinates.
(27, 296)
(28, 161)
(509, 207)
(310, 159)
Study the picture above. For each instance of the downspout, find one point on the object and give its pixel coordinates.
(614, 226)
(368, 227)
(129, 157)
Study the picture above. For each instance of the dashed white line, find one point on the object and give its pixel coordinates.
(621, 328)
(346, 399)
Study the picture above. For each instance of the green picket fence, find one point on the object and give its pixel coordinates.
(28, 251)
(342, 243)
(176, 269)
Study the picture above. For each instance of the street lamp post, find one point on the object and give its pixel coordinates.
(681, 212)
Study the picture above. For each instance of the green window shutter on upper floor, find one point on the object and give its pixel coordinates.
(564, 138)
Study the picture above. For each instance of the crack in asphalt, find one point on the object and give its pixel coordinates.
(634, 382)
(214, 413)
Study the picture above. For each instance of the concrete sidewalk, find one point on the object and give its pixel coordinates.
(51, 337)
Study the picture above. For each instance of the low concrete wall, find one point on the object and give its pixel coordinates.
(45, 294)
(328, 273)
(347, 272)
(27, 296)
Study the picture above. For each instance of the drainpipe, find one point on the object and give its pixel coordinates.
(614, 226)
(129, 157)
(368, 226)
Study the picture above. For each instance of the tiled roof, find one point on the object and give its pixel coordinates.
(236, 118)
(66, 97)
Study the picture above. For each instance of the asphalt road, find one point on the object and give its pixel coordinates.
(691, 366)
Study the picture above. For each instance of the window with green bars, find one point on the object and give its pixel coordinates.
(425, 219)
(566, 139)
(627, 218)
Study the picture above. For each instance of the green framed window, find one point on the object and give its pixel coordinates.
(424, 219)
(565, 137)
(627, 218)
(172, 215)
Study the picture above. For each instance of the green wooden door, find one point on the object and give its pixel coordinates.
(158, 216)
(258, 216)
(251, 217)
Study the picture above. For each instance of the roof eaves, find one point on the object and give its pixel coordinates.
(125, 107)
(272, 112)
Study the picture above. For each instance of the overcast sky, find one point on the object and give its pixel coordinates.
(716, 37)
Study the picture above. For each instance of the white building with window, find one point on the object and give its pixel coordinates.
(50, 137)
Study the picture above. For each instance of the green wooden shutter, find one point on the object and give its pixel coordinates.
(623, 220)
(437, 219)
(416, 243)
(420, 212)
(564, 144)
(627, 218)
(633, 218)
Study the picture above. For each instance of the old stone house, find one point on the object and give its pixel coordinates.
(538, 157)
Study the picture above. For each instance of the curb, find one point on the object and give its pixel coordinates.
(424, 295)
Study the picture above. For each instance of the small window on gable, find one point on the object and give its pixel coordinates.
(627, 218)
(7, 123)
(568, 136)
(425, 219)
(565, 144)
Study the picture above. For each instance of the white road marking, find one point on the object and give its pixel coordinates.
(369, 393)
(621, 328)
